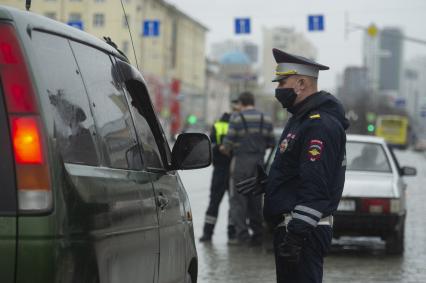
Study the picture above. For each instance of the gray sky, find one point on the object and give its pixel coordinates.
(333, 49)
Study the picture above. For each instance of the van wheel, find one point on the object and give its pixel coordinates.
(395, 242)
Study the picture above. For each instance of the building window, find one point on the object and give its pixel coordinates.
(125, 22)
(73, 17)
(98, 20)
(51, 15)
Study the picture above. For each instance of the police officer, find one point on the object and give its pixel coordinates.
(306, 178)
(220, 178)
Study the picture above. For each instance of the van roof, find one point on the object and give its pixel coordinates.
(27, 21)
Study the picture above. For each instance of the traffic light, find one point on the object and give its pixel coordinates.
(371, 128)
(192, 119)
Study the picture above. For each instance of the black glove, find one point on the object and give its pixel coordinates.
(291, 247)
(254, 185)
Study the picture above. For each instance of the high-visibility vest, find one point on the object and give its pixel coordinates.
(221, 129)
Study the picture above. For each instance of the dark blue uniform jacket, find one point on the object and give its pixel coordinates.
(308, 172)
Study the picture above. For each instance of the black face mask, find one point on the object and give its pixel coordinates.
(286, 96)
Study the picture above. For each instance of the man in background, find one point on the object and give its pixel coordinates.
(220, 178)
(250, 134)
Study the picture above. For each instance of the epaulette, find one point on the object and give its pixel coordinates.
(314, 116)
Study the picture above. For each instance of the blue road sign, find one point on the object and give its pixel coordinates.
(151, 28)
(242, 26)
(316, 23)
(76, 24)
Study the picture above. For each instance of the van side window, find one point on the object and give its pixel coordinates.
(110, 109)
(150, 153)
(67, 102)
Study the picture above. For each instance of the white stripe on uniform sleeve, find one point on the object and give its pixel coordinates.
(305, 218)
(308, 210)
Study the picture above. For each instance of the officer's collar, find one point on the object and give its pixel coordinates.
(304, 106)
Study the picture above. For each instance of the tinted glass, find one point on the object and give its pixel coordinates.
(110, 109)
(366, 157)
(150, 153)
(7, 178)
(73, 126)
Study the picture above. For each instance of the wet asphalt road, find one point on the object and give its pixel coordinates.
(352, 259)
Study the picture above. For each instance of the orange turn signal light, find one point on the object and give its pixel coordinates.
(26, 140)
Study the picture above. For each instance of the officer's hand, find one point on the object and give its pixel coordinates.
(291, 248)
(254, 185)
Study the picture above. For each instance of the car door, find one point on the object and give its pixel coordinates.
(128, 247)
(155, 154)
(8, 202)
(172, 228)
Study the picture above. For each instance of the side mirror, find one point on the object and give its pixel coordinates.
(408, 171)
(191, 151)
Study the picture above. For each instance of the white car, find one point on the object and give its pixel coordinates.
(373, 201)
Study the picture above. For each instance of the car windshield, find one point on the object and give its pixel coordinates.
(362, 156)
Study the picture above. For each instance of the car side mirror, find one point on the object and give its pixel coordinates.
(408, 171)
(191, 151)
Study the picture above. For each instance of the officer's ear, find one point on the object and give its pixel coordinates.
(301, 83)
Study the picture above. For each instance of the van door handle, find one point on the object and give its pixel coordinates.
(162, 201)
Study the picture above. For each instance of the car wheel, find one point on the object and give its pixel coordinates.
(395, 242)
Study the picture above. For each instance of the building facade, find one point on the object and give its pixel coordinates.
(383, 54)
(217, 93)
(250, 49)
(390, 68)
(413, 89)
(355, 84)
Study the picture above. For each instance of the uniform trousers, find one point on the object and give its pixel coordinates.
(219, 185)
(310, 267)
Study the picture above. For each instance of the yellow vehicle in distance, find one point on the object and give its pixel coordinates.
(394, 129)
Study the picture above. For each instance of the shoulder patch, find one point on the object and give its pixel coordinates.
(315, 149)
(315, 116)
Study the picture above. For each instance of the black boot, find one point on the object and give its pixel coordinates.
(231, 232)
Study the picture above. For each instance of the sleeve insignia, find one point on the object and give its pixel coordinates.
(287, 143)
(315, 116)
(283, 145)
(315, 150)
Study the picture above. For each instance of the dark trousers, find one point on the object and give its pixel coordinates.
(310, 267)
(246, 211)
(219, 185)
